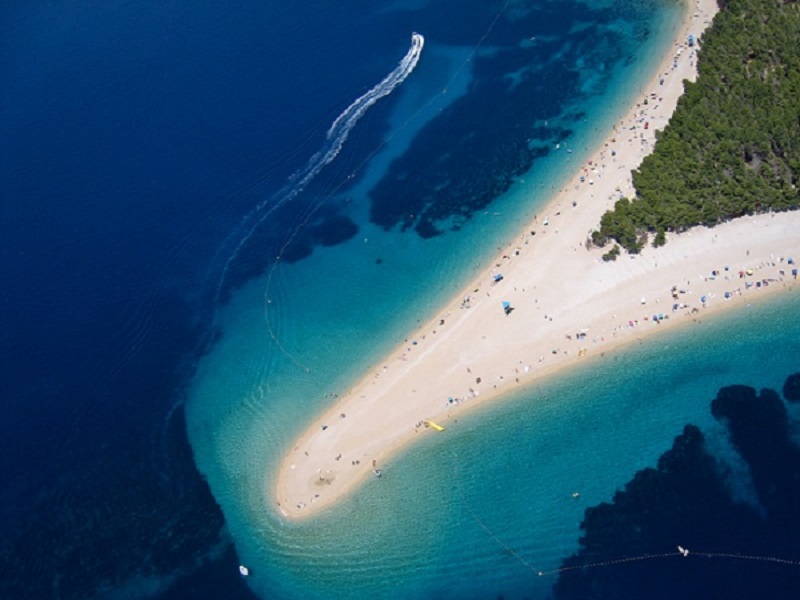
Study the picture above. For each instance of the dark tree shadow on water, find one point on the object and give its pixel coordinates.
(686, 501)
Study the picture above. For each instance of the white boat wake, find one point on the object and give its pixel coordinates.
(340, 130)
(334, 140)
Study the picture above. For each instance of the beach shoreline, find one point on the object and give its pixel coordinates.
(548, 303)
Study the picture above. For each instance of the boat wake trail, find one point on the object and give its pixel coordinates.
(344, 123)
(335, 138)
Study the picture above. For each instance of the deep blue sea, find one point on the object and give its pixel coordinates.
(214, 216)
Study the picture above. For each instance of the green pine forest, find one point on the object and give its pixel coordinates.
(732, 147)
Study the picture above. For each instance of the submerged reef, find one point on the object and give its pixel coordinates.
(736, 548)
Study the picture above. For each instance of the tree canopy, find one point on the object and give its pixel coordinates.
(732, 147)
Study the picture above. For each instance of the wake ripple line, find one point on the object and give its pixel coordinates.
(334, 141)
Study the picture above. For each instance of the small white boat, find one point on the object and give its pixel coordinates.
(244, 571)
(377, 472)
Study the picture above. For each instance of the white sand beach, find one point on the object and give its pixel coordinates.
(566, 304)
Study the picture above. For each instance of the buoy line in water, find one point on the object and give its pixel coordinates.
(486, 528)
(679, 552)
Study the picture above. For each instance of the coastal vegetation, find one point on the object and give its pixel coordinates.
(732, 147)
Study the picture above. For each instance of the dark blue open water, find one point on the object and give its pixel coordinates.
(143, 146)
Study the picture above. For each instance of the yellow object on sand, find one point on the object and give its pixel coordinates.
(435, 425)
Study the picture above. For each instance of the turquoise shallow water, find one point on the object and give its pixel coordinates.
(443, 519)
(478, 511)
